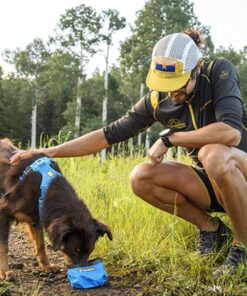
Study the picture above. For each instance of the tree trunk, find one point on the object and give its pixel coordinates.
(147, 142)
(105, 100)
(34, 125)
(34, 117)
(140, 134)
(78, 110)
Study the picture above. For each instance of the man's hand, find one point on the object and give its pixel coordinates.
(22, 154)
(157, 151)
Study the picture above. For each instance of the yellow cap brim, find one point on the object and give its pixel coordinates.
(155, 82)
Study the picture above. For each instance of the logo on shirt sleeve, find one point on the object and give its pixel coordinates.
(224, 74)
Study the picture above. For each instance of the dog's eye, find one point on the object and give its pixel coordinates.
(78, 250)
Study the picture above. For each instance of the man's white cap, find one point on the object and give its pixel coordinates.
(173, 58)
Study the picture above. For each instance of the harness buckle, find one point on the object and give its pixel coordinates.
(5, 195)
(29, 169)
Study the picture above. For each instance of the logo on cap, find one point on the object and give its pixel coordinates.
(167, 68)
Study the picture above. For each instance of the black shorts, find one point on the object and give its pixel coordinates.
(214, 205)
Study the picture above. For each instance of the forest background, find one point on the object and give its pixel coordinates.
(51, 76)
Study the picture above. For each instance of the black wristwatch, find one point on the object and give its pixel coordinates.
(164, 135)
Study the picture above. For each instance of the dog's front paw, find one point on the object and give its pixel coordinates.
(6, 275)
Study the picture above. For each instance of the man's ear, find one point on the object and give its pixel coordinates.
(57, 232)
(102, 229)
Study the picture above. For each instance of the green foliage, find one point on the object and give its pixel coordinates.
(5, 288)
(48, 73)
(58, 85)
(82, 24)
(236, 57)
(29, 62)
(113, 22)
(118, 103)
(15, 106)
(79, 32)
(92, 92)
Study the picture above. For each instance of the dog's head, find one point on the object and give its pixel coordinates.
(76, 240)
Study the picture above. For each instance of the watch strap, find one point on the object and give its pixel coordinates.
(166, 141)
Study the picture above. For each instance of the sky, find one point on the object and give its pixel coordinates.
(22, 21)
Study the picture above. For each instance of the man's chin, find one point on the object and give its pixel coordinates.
(178, 101)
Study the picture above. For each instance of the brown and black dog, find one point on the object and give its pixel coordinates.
(66, 219)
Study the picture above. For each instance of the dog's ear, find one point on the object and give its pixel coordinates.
(57, 232)
(8, 144)
(7, 141)
(7, 149)
(102, 229)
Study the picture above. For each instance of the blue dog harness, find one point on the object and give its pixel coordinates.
(42, 166)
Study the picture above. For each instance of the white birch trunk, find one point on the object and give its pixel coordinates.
(78, 110)
(147, 142)
(105, 100)
(139, 139)
(34, 124)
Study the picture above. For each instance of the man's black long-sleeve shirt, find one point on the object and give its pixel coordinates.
(216, 98)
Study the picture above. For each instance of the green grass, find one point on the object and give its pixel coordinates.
(149, 246)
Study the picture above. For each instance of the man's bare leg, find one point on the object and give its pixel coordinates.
(227, 168)
(171, 184)
(175, 188)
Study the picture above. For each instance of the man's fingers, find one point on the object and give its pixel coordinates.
(15, 157)
(20, 155)
(156, 159)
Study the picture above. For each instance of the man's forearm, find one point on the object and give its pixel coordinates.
(218, 132)
(88, 144)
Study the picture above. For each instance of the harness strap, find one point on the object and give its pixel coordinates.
(42, 166)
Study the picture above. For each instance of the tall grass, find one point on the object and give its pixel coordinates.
(149, 246)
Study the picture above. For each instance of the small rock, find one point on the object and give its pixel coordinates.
(57, 271)
(12, 279)
(49, 280)
(42, 274)
(51, 275)
(60, 278)
(17, 265)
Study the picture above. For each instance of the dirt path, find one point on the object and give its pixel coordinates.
(31, 281)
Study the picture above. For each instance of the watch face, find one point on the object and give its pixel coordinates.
(165, 132)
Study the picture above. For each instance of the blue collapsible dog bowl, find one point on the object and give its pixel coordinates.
(87, 276)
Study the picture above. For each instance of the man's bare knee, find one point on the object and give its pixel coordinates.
(216, 160)
(140, 176)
